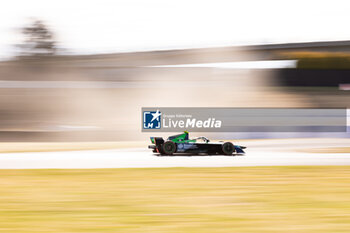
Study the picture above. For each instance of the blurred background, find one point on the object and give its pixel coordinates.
(82, 70)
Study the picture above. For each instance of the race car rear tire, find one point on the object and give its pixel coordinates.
(227, 148)
(169, 147)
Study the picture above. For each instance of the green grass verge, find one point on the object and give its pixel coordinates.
(251, 199)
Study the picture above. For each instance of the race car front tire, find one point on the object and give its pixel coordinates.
(227, 148)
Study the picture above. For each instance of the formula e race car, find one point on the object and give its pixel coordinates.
(182, 144)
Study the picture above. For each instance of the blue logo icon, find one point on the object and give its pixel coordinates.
(151, 119)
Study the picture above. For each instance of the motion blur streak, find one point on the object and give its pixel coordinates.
(105, 93)
(242, 65)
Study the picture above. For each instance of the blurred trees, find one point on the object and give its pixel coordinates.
(316, 69)
(39, 40)
(320, 60)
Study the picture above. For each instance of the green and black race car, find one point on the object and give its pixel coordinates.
(182, 144)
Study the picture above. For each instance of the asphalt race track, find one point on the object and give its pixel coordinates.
(259, 153)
